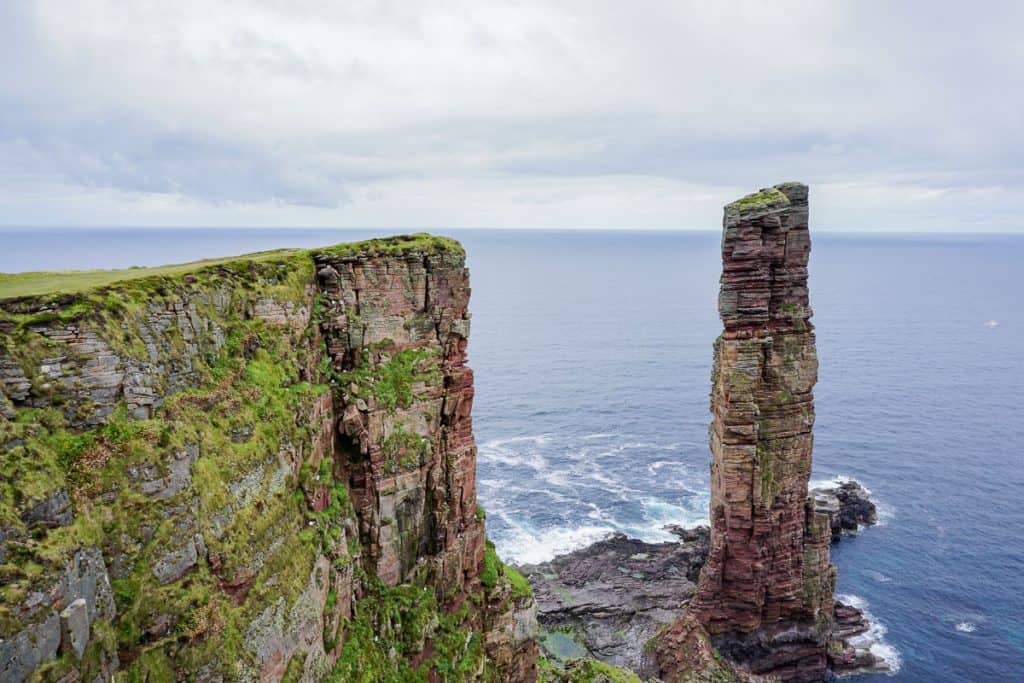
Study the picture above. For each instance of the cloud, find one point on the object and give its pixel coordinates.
(470, 113)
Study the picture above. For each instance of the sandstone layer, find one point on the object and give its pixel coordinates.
(261, 469)
(765, 593)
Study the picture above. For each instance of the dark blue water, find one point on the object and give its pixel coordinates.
(593, 353)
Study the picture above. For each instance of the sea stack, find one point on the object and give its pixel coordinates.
(765, 594)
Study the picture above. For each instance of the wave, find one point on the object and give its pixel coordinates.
(966, 627)
(878, 576)
(523, 545)
(835, 482)
(874, 637)
(539, 439)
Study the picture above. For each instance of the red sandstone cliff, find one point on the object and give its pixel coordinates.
(765, 593)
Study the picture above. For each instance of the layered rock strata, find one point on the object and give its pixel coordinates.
(261, 469)
(765, 593)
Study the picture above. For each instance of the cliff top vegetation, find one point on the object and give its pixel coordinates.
(17, 285)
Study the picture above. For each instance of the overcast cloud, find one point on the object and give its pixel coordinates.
(901, 115)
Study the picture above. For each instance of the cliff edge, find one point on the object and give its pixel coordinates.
(259, 468)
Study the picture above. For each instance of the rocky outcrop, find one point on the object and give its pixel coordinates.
(610, 599)
(613, 596)
(256, 469)
(765, 594)
(847, 505)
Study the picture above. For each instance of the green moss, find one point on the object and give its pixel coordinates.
(769, 485)
(492, 567)
(153, 666)
(390, 380)
(391, 627)
(418, 243)
(765, 199)
(403, 449)
(594, 671)
(293, 674)
(520, 586)
(495, 571)
(793, 310)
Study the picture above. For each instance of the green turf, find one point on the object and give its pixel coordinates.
(14, 285)
(67, 281)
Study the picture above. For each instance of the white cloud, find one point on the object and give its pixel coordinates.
(589, 114)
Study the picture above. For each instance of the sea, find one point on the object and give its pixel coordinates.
(592, 353)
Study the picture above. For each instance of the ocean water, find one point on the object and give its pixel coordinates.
(592, 353)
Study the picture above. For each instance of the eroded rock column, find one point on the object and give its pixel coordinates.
(765, 594)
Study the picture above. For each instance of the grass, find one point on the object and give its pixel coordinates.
(16, 285)
(767, 198)
(417, 243)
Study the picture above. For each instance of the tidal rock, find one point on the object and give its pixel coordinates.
(614, 595)
(854, 638)
(847, 504)
(597, 601)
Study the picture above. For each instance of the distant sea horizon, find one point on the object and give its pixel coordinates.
(592, 356)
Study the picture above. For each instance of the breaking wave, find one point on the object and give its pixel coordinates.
(874, 638)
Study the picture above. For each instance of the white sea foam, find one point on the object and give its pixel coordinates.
(878, 576)
(834, 482)
(886, 512)
(966, 627)
(499, 450)
(874, 638)
(528, 546)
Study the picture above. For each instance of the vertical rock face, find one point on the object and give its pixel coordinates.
(765, 593)
(396, 331)
(257, 469)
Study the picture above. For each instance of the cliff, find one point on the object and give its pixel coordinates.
(258, 468)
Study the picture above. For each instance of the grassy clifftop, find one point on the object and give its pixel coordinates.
(43, 283)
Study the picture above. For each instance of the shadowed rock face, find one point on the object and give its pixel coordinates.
(765, 593)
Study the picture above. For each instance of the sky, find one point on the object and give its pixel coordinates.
(521, 114)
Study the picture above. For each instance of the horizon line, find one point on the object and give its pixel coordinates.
(440, 230)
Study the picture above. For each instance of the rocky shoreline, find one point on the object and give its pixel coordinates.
(609, 599)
